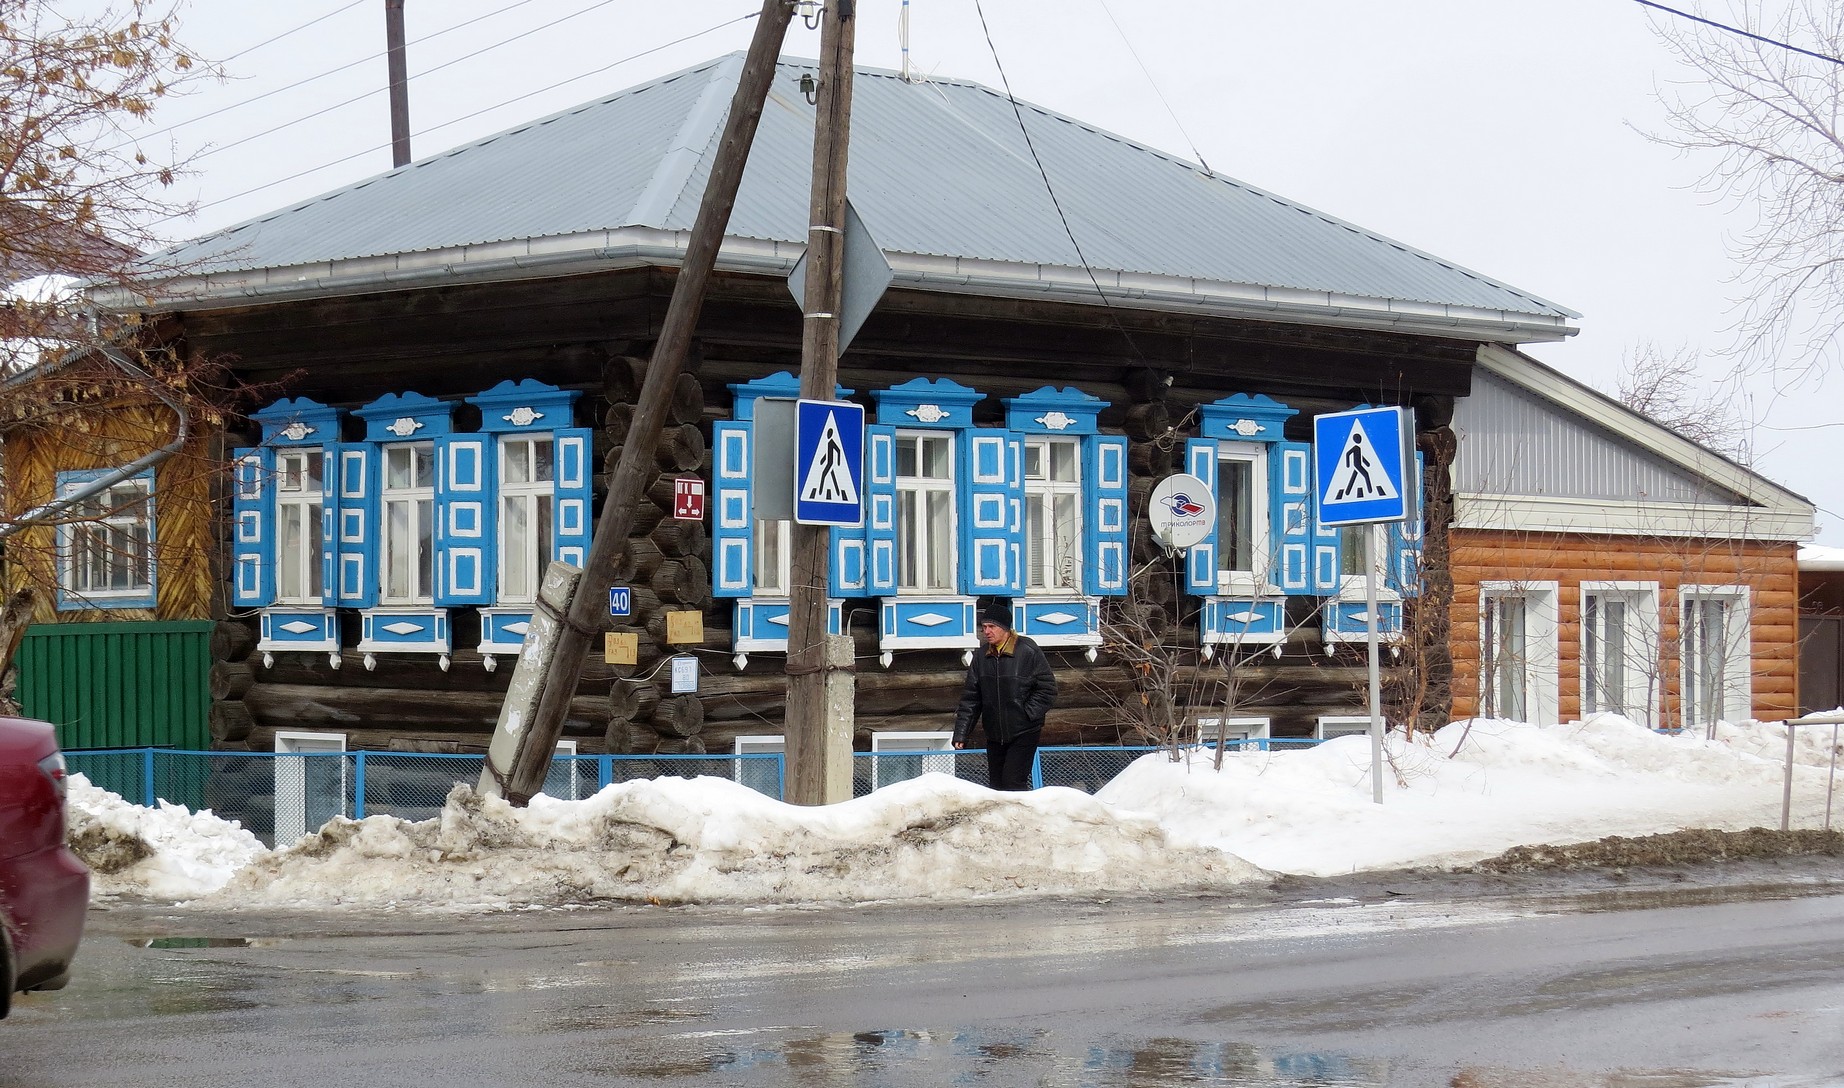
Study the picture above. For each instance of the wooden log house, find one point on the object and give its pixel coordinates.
(461, 341)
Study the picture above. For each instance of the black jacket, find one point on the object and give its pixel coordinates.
(1007, 693)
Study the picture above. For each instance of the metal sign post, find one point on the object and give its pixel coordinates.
(1361, 462)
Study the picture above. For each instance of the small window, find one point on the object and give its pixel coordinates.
(899, 760)
(925, 513)
(1619, 650)
(1236, 734)
(1517, 651)
(1053, 515)
(407, 554)
(1242, 515)
(1713, 641)
(759, 761)
(527, 489)
(299, 494)
(106, 551)
(1341, 725)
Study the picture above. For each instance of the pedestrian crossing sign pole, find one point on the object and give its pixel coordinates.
(1361, 464)
(828, 463)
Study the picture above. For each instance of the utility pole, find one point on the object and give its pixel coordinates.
(819, 746)
(400, 83)
(635, 468)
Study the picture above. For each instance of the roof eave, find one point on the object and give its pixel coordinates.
(628, 247)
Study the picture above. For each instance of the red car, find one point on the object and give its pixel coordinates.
(44, 889)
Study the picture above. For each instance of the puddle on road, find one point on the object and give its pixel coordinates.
(196, 942)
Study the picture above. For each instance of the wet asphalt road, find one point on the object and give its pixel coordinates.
(1673, 983)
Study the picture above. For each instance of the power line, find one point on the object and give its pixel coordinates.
(467, 117)
(317, 19)
(1155, 85)
(1738, 30)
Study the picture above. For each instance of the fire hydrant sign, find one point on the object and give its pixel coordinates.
(1361, 462)
(688, 498)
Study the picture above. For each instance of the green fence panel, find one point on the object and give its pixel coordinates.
(119, 685)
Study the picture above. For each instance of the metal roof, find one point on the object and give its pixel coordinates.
(940, 172)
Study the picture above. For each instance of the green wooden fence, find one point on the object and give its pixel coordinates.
(119, 685)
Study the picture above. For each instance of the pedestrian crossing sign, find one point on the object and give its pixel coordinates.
(828, 463)
(1361, 461)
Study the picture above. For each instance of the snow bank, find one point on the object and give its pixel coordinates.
(167, 852)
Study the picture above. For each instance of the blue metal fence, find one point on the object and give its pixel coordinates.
(282, 796)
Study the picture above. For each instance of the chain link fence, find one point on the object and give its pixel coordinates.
(280, 797)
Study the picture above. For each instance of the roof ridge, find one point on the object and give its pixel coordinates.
(703, 125)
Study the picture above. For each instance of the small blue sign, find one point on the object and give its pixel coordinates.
(1361, 462)
(620, 601)
(828, 463)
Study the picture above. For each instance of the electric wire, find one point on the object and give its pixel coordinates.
(1154, 84)
(458, 120)
(1738, 30)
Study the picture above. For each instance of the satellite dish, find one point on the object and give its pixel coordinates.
(1182, 511)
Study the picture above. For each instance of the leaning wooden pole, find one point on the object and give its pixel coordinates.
(819, 749)
(634, 471)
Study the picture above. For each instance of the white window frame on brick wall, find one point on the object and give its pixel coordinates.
(1736, 666)
(1619, 650)
(1538, 656)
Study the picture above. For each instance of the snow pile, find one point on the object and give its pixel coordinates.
(710, 840)
(167, 852)
(1469, 792)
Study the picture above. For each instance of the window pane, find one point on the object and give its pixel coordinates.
(1037, 531)
(935, 464)
(771, 538)
(1063, 462)
(397, 550)
(908, 535)
(1033, 460)
(1067, 549)
(1235, 507)
(515, 546)
(399, 467)
(544, 461)
(517, 461)
(288, 565)
(425, 548)
(941, 547)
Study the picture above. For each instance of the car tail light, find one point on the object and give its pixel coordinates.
(54, 769)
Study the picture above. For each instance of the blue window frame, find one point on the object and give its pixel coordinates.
(106, 544)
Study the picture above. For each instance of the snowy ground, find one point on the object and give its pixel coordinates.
(1465, 794)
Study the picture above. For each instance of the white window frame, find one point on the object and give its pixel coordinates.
(1332, 726)
(1351, 562)
(310, 503)
(1204, 730)
(1236, 582)
(1042, 576)
(888, 771)
(1541, 664)
(920, 488)
(756, 745)
(1738, 663)
(780, 579)
(291, 780)
(1644, 685)
(117, 516)
(422, 502)
(541, 495)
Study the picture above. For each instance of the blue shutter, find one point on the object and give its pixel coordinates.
(733, 522)
(1104, 495)
(358, 524)
(253, 506)
(1327, 555)
(991, 521)
(1201, 559)
(570, 522)
(878, 542)
(1290, 506)
(467, 523)
(1403, 574)
(329, 526)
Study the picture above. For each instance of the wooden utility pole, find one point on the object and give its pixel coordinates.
(819, 748)
(634, 471)
(400, 83)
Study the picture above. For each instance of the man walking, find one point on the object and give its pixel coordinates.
(1009, 689)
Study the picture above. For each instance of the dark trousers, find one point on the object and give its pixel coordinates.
(1008, 765)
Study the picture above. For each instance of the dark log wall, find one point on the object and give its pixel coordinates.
(594, 334)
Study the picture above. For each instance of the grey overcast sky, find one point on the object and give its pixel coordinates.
(1505, 136)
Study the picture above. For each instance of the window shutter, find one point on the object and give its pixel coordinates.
(570, 521)
(879, 533)
(329, 527)
(358, 524)
(467, 520)
(1327, 556)
(253, 507)
(732, 522)
(991, 533)
(1404, 571)
(1104, 494)
(1290, 505)
(1201, 559)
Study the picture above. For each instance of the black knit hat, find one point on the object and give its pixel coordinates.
(996, 610)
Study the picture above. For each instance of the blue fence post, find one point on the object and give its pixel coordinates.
(604, 772)
(781, 776)
(147, 777)
(1037, 769)
(358, 787)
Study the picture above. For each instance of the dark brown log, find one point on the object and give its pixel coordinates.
(398, 710)
(622, 376)
(1146, 384)
(230, 679)
(1147, 420)
(643, 557)
(678, 716)
(630, 701)
(685, 581)
(687, 404)
(679, 746)
(678, 537)
(615, 424)
(1155, 459)
(230, 722)
(232, 640)
(681, 448)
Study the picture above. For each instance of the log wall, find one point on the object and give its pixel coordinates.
(1767, 569)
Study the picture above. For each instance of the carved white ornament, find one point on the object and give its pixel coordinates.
(929, 413)
(299, 627)
(781, 620)
(296, 431)
(517, 628)
(403, 627)
(1056, 421)
(1247, 428)
(404, 427)
(523, 416)
(930, 619)
(1057, 618)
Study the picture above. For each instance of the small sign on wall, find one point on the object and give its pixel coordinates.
(684, 674)
(688, 498)
(621, 647)
(684, 627)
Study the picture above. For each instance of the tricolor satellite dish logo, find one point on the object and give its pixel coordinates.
(1184, 506)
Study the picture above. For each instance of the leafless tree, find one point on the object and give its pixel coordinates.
(1768, 117)
(1669, 388)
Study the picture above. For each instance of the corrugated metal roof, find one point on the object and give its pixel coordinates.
(938, 169)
